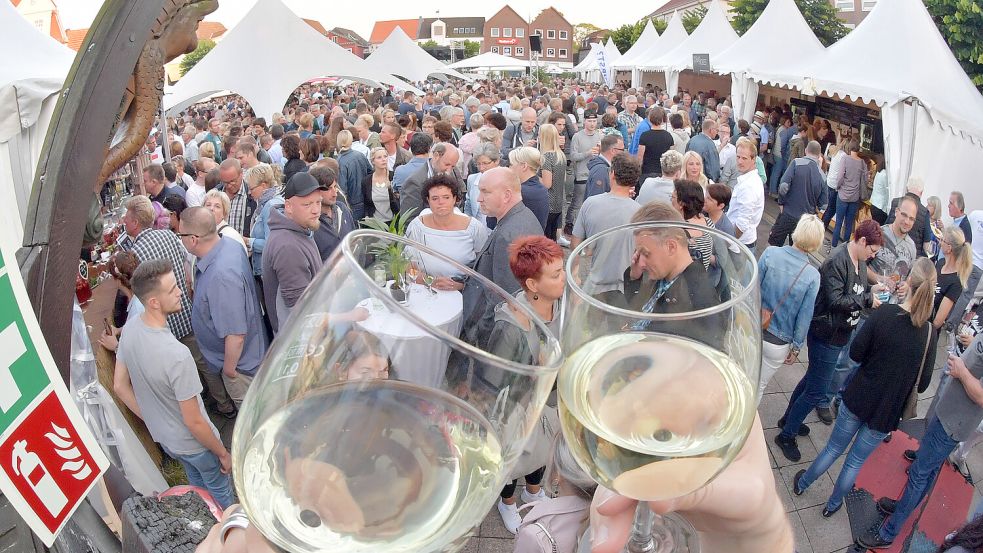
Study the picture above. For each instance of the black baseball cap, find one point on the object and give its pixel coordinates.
(590, 114)
(301, 184)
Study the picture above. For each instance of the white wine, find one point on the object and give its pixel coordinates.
(371, 466)
(653, 416)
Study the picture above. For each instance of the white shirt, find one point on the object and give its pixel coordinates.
(976, 225)
(747, 205)
(729, 151)
(195, 196)
(833, 175)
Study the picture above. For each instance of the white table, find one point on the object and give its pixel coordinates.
(417, 356)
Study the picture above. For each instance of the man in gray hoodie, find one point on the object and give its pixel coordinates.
(585, 145)
(291, 258)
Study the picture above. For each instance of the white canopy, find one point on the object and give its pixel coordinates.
(248, 61)
(756, 57)
(31, 75)
(399, 55)
(673, 36)
(611, 52)
(490, 60)
(648, 37)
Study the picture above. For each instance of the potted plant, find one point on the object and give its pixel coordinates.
(392, 255)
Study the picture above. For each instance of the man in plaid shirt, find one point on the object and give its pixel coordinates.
(629, 117)
(242, 206)
(149, 244)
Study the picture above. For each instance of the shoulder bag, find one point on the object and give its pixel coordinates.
(911, 404)
(548, 535)
(767, 314)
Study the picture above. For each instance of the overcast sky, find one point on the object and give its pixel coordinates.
(76, 14)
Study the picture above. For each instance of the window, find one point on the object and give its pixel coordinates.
(845, 5)
(538, 32)
(350, 52)
(563, 36)
(520, 33)
(507, 31)
(494, 49)
(550, 34)
(494, 32)
(39, 23)
(551, 52)
(507, 50)
(563, 52)
(438, 30)
(457, 30)
(470, 30)
(868, 5)
(520, 51)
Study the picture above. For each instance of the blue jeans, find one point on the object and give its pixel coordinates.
(847, 426)
(830, 207)
(846, 214)
(812, 388)
(845, 368)
(205, 471)
(935, 446)
(777, 171)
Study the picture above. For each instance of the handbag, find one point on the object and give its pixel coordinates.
(767, 314)
(548, 535)
(911, 404)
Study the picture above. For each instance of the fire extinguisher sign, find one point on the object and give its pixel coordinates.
(49, 459)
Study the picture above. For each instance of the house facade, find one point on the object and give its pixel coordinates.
(507, 33)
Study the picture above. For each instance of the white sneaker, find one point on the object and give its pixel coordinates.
(562, 241)
(510, 516)
(530, 497)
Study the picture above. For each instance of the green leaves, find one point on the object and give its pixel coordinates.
(692, 18)
(189, 60)
(961, 24)
(819, 14)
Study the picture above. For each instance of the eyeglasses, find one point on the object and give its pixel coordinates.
(187, 234)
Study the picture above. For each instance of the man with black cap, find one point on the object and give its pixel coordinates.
(291, 258)
(585, 145)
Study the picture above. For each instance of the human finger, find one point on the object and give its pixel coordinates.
(611, 520)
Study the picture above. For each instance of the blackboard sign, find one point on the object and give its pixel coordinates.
(701, 63)
(800, 106)
(841, 112)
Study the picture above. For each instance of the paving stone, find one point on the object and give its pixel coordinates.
(783, 491)
(826, 535)
(492, 526)
(817, 494)
(496, 545)
(802, 544)
(771, 408)
(806, 448)
(789, 375)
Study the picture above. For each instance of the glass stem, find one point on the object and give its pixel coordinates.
(649, 533)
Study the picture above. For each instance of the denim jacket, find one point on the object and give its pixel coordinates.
(261, 227)
(778, 268)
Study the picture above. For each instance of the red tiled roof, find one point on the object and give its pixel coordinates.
(15, 2)
(382, 29)
(316, 25)
(210, 30)
(75, 38)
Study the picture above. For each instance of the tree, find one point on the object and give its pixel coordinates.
(471, 48)
(820, 15)
(580, 32)
(627, 35)
(961, 24)
(190, 60)
(430, 44)
(692, 18)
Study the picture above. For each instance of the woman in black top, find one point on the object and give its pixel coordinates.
(290, 144)
(953, 273)
(890, 348)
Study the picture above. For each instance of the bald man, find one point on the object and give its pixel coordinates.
(500, 196)
(523, 134)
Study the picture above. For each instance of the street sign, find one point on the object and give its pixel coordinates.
(701, 63)
(49, 459)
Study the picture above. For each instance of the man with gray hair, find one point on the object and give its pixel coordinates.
(662, 187)
(801, 191)
(523, 134)
(443, 159)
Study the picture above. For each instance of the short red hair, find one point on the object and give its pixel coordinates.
(870, 230)
(529, 254)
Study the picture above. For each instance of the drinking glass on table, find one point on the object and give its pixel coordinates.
(656, 398)
(333, 453)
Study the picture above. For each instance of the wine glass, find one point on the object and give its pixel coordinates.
(658, 391)
(428, 279)
(342, 446)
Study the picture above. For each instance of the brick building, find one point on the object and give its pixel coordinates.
(507, 33)
(852, 12)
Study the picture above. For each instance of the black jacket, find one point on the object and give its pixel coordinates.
(842, 295)
(367, 197)
(691, 291)
(329, 234)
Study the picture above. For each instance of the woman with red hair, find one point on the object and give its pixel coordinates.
(537, 263)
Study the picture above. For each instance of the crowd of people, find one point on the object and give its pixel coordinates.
(501, 177)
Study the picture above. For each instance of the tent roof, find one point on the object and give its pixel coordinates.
(673, 36)
(648, 37)
(399, 55)
(611, 52)
(490, 60)
(895, 53)
(264, 25)
(781, 23)
(712, 36)
(37, 71)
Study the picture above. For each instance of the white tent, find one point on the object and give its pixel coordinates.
(648, 37)
(399, 55)
(248, 61)
(673, 36)
(31, 75)
(490, 61)
(756, 57)
(712, 36)
(895, 55)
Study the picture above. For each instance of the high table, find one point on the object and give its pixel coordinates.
(417, 356)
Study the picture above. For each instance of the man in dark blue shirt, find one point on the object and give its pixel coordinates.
(802, 189)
